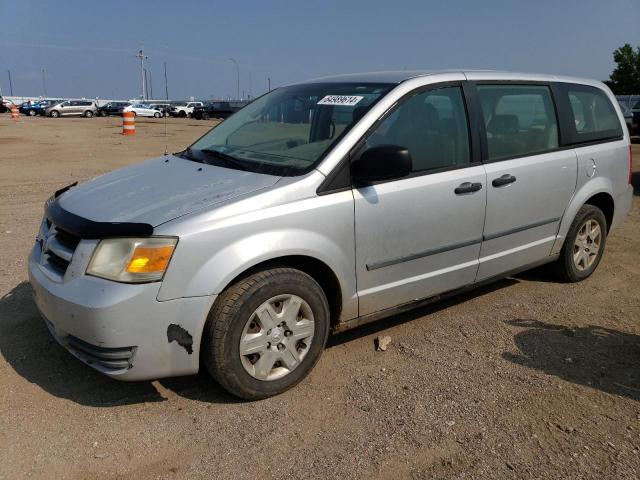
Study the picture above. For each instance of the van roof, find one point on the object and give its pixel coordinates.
(399, 76)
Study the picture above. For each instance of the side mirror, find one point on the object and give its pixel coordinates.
(382, 162)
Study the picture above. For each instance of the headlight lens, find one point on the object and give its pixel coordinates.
(132, 260)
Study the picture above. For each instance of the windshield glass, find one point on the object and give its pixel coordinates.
(287, 131)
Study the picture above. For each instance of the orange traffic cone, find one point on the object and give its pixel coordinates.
(128, 123)
(15, 114)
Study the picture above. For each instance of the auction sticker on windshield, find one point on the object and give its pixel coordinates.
(346, 100)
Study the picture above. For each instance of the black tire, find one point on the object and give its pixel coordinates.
(565, 266)
(156, 115)
(205, 116)
(88, 114)
(32, 113)
(102, 113)
(229, 315)
(182, 114)
(54, 113)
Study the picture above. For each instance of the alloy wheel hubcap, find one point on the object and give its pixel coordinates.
(276, 337)
(587, 245)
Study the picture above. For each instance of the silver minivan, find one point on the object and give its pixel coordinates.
(68, 108)
(325, 205)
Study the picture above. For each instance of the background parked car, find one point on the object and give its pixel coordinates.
(635, 121)
(4, 105)
(184, 110)
(36, 108)
(217, 109)
(163, 108)
(628, 116)
(68, 108)
(143, 110)
(112, 108)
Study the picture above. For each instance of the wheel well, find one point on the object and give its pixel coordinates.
(313, 267)
(604, 202)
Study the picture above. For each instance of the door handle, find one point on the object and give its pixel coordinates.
(467, 187)
(505, 179)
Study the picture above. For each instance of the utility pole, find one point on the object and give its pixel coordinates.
(237, 78)
(166, 85)
(10, 83)
(142, 58)
(44, 82)
(146, 88)
(269, 83)
(150, 85)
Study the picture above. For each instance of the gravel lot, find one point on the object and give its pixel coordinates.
(526, 378)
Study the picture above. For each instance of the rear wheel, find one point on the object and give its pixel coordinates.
(266, 332)
(584, 245)
(182, 114)
(205, 116)
(32, 113)
(55, 113)
(157, 115)
(88, 114)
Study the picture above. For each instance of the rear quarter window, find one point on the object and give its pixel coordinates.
(593, 116)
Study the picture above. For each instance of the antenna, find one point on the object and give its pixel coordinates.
(166, 109)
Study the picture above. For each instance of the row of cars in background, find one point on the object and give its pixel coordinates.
(208, 110)
(88, 108)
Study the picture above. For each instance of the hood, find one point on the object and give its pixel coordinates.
(159, 190)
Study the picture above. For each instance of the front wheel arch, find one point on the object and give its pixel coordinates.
(316, 269)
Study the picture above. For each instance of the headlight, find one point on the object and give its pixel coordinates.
(132, 260)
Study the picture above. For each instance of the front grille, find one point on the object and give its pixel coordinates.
(110, 359)
(59, 248)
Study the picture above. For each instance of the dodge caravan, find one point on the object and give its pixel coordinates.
(325, 205)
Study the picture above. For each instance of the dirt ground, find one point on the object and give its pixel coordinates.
(526, 378)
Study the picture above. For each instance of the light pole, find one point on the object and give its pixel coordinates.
(269, 83)
(142, 58)
(166, 85)
(44, 82)
(10, 83)
(237, 78)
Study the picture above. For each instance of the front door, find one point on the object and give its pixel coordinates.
(421, 235)
(529, 179)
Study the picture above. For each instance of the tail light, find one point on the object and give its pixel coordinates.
(630, 163)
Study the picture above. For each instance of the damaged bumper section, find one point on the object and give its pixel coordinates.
(121, 330)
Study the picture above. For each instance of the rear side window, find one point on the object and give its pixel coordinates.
(594, 117)
(519, 120)
(432, 126)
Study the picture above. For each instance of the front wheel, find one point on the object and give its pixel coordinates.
(584, 245)
(32, 113)
(88, 114)
(157, 115)
(266, 332)
(55, 113)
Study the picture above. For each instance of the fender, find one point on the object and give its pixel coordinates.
(588, 190)
(321, 227)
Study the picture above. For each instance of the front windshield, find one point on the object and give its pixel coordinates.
(287, 131)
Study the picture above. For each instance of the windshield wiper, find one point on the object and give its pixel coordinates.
(226, 158)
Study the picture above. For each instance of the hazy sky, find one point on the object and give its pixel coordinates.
(87, 47)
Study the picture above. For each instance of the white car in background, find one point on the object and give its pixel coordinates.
(184, 110)
(143, 110)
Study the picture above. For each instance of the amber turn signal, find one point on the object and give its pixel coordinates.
(150, 259)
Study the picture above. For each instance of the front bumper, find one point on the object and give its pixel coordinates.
(119, 329)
